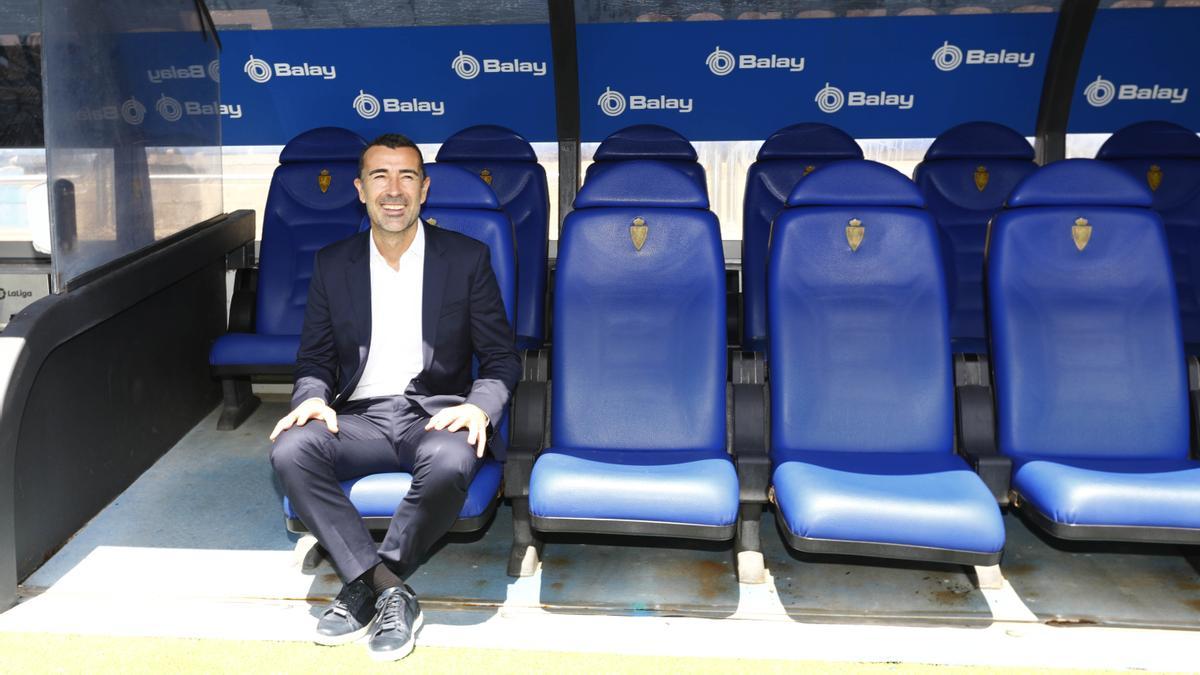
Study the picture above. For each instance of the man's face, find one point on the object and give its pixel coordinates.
(392, 187)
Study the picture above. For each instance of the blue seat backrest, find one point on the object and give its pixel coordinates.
(312, 202)
(1166, 157)
(459, 201)
(859, 343)
(506, 162)
(787, 156)
(648, 141)
(965, 177)
(639, 333)
(1086, 348)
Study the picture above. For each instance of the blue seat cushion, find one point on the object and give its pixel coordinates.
(252, 349)
(696, 487)
(1112, 492)
(378, 495)
(927, 499)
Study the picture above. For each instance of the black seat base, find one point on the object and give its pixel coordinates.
(643, 528)
(1118, 533)
(892, 551)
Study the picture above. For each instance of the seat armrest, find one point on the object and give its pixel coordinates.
(1193, 366)
(242, 305)
(975, 424)
(530, 408)
(749, 425)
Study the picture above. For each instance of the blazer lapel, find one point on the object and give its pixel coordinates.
(432, 286)
(358, 280)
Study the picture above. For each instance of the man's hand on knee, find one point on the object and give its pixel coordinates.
(313, 408)
(468, 416)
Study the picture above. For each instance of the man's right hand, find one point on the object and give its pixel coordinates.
(313, 408)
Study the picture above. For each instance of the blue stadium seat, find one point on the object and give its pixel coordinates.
(862, 388)
(508, 163)
(648, 141)
(965, 177)
(638, 376)
(458, 200)
(787, 156)
(311, 203)
(1166, 157)
(1092, 393)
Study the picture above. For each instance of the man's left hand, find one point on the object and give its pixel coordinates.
(467, 415)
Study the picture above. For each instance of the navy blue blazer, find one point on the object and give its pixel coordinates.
(462, 315)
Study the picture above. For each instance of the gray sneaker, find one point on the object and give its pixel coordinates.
(397, 619)
(348, 617)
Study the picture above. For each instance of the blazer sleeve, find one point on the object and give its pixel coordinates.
(492, 341)
(316, 360)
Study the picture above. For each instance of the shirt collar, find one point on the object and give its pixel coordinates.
(415, 251)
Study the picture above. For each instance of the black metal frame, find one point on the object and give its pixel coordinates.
(975, 424)
(1062, 71)
(1141, 534)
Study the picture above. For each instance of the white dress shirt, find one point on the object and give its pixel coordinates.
(396, 354)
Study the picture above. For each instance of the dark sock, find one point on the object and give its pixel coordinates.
(380, 578)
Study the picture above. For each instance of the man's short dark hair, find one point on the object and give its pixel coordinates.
(393, 141)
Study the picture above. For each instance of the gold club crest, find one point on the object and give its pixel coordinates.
(1154, 177)
(323, 180)
(809, 169)
(638, 232)
(981, 177)
(1081, 232)
(486, 176)
(854, 233)
(431, 221)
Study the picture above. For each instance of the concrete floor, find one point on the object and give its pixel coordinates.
(196, 547)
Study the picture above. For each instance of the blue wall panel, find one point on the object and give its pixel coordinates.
(876, 78)
(1139, 65)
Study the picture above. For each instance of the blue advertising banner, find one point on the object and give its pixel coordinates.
(1139, 65)
(887, 77)
(425, 82)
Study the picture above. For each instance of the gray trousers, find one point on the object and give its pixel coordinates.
(375, 436)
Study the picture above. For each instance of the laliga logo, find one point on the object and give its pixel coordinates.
(133, 112)
(612, 103)
(948, 57)
(722, 62)
(368, 107)
(465, 66)
(468, 68)
(260, 71)
(1101, 92)
(830, 99)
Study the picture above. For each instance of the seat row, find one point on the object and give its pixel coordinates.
(871, 438)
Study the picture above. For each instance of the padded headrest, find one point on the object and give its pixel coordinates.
(323, 144)
(645, 141)
(980, 140)
(1151, 139)
(453, 187)
(856, 182)
(1072, 182)
(810, 140)
(642, 182)
(486, 142)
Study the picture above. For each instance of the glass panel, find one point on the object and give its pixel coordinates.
(288, 14)
(132, 125)
(624, 11)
